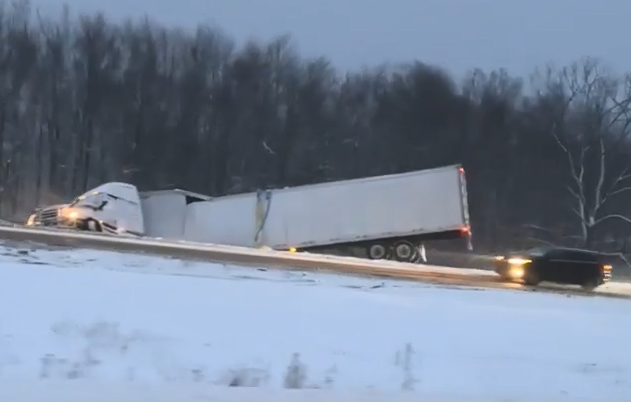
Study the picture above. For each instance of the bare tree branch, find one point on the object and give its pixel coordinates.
(612, 216)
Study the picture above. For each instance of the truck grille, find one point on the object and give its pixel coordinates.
(46, 217)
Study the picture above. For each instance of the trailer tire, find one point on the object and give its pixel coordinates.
(377, 251)
(404, 251)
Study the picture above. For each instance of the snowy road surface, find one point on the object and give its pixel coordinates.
(73, 322)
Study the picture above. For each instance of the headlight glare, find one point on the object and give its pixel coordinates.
(518, 261)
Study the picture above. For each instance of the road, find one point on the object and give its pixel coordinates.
(303, 261)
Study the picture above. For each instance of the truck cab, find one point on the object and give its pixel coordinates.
(112, 208)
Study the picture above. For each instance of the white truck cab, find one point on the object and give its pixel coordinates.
(112, 207)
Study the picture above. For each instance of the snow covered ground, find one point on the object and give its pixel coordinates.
(81, 325)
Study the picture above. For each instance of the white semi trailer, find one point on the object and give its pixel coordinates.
(378, 217)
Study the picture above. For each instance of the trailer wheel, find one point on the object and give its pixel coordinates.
(404, 251)
(377, 251)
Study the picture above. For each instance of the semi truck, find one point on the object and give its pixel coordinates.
(382, 217)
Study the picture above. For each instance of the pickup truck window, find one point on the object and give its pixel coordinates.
(538, 251)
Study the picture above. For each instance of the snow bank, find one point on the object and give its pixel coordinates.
(94, 391)
(77, 324)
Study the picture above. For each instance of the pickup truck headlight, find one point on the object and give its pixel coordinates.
(516, 272)
(31, 220)
(518, 261)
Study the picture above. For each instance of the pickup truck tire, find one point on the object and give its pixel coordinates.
(504, 276)
(590, 284)
(377, 251)
(404, 251)
(531, 277)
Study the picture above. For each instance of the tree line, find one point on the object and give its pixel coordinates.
(84, 100)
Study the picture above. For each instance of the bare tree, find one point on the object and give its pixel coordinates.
(86, 100)
(590, 118)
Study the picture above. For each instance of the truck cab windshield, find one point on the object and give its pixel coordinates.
(92, 200)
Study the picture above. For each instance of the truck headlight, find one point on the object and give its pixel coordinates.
(69, 214)
(518, 261)
(516, 272)
(31, 220)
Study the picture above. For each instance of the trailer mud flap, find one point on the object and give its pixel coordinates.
(263, 204)
(464, 202)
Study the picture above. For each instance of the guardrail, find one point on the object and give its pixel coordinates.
(243, 255)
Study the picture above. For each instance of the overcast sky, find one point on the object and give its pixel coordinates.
(455, 34)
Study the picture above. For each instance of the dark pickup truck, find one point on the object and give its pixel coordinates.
(554, 264)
